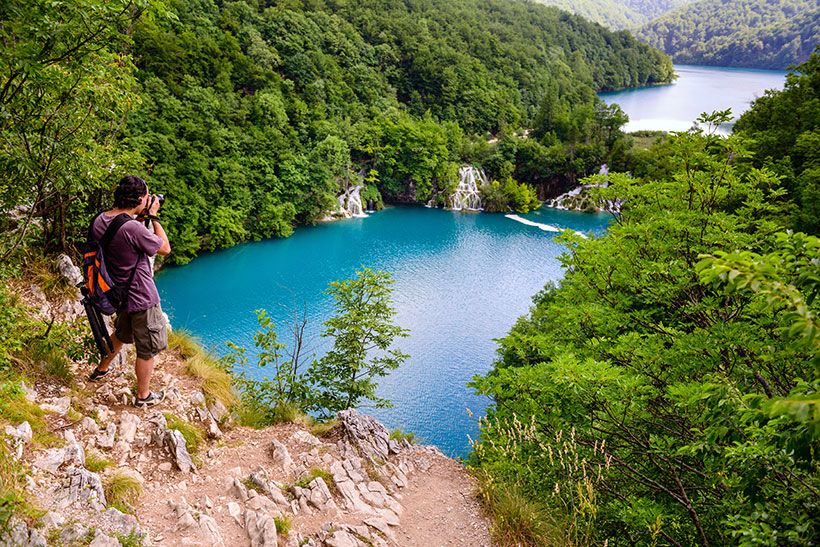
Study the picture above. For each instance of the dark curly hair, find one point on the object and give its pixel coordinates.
(129, 191)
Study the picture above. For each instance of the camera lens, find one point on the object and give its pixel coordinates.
(161, 199)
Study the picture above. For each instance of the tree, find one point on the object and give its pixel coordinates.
(66, 85)
(362, 350)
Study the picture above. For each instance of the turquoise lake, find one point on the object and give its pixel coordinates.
(461, 280)
(698, 89)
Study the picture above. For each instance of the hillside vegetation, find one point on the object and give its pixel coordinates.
(667, 391)
(253, 116)
(616, 14)
(741, 33)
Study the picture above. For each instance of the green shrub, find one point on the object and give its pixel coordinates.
(318, 472)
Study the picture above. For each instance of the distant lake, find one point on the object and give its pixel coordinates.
(698, 89)
(462, 280)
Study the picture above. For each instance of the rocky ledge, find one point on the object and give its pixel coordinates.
(351, 487)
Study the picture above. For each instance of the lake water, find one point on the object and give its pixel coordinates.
(461, 280)
(698, 89)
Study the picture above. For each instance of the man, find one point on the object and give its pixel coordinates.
(140, 321)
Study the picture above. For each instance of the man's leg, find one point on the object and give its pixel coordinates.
(105, 363)
(144, 369)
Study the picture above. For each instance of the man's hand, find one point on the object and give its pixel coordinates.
(154, 207)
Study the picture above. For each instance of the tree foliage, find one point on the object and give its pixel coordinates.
(65, 88)
(363, 335)
(666, 391)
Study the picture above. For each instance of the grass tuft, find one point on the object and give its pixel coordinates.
(283, 525)
(324, 429)
(96, 462)
(122, 491)
(217, 384)
(258, 416)
(193, 434)
(16, 409)
(324, 474)
(400, 435)
(517, 521)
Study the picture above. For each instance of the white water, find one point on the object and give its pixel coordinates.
(350, 202)
(540, 225)
(466, 196)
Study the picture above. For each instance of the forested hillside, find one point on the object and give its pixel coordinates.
(253, 116)
(743, 33)
(616, 14)
(667, 391)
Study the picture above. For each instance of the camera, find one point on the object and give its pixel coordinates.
(161, 199)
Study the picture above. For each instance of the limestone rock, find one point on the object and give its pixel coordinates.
(218, 411)
(52, 520)
(18, 437)
(382, 526)
(89, 425)
(347, 487)
(303, 437)
(67, 268)
(209, 531)
(17, 534)
(239, 490)
(261, 529)
(320, 496)
(57, 405)
(160, 429)
(82, 487)
(73, 534)
(128, 426)
(51, 460)
(260, 478)
(103, 540)
(367, 434)
(179, 451)
(281, 456)
(105, 439)
(118, 522)
(235, 511)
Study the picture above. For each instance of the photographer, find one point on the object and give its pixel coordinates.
(140, 321)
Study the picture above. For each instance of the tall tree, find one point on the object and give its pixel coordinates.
(363, 335)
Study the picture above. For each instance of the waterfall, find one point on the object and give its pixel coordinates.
(350, 202)
(466, 196)
(578, 199)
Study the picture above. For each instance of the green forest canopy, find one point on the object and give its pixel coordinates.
(617, 14)
(742, 33)
(251, 116)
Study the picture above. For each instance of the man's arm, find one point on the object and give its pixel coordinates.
(165, 248)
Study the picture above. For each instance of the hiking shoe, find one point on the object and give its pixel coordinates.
(153, 398)
(98, 374)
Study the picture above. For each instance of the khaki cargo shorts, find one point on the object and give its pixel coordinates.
(146, 329)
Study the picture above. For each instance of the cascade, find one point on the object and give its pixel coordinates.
(350, 202)
(578, 198)
(466, 196)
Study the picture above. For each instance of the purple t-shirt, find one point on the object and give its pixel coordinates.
(121, 257)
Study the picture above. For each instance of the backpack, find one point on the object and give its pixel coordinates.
(105, 295)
